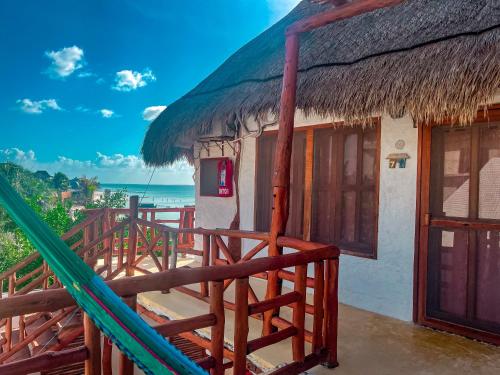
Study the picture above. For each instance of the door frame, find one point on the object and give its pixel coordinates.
(422, 231)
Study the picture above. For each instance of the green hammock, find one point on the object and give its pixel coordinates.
(141, 343)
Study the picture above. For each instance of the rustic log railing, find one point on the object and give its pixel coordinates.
(102, 240)
(56, 299)
(117, 242)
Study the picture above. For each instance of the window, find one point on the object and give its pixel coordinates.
(266, 146)
(344, 187)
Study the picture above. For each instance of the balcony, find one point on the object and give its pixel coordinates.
(214, 308)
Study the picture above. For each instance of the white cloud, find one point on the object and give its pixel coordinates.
(280, 8)
(107, 113)
(128, 80)
(65, 61)
(150, 113)
(37, 106)
(17, 155)
(118, 168)
(119, 161)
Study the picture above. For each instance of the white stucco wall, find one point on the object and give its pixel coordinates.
(214, 212)
(383, 285)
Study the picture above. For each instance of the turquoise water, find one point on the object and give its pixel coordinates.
(160, 195)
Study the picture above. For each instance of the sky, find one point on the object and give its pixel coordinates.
(81, 80)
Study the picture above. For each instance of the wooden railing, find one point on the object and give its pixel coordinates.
(102, 240)
(124, 239)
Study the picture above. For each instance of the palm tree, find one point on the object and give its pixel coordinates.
(88, 186)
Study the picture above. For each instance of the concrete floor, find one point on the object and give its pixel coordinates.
(368, 343)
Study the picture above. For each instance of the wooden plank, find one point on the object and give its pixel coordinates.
(339, 13)
(205, 262)
(132, 234)
(319, 284)
(217, 332)
(300, 367)
(174, 327)
(331, 312)
(271, 339)
(107, 354)
(51, 300)
(241, 326)
(299, 313)
(45, 362)
(126, 366)
(93, 344)
(268, 304)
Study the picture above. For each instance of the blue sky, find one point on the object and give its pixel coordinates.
(81, 80)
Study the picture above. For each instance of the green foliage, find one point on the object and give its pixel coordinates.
(88, 187)
(60, 182)
(117, 199)
(12, 250)
(41, 197)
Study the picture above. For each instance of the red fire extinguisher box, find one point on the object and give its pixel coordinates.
(225, 177)
(216, 177)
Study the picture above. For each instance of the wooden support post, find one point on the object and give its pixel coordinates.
(165, 255)
(126, 366)
(165, 250)
(9, 325)
(331, 312)
(217, 331)
(93, 343)
(205, 262)
(319, 293)
(107, 242)
(107, 357)
(173, 256)
(132, 234)
(45, 269)
(241, 327)
(281, 175)
(121, 249)
(299, 314)
(87, 238)
(214, 250)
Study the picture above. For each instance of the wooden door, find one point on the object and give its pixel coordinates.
(459, 262)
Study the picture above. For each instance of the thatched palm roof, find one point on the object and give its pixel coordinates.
(427, 58)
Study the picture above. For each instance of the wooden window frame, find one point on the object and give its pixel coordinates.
(309, 178)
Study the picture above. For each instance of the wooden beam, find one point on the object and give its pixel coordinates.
(126, 366)
(52, 300)
(331, 312)
(217, 332)
(46, 361)
(132, 234)
(241, 327)
(92, 337)
(175, 327)
(343, 12)
(281, 174)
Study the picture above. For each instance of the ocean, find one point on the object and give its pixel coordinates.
(160, 195)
